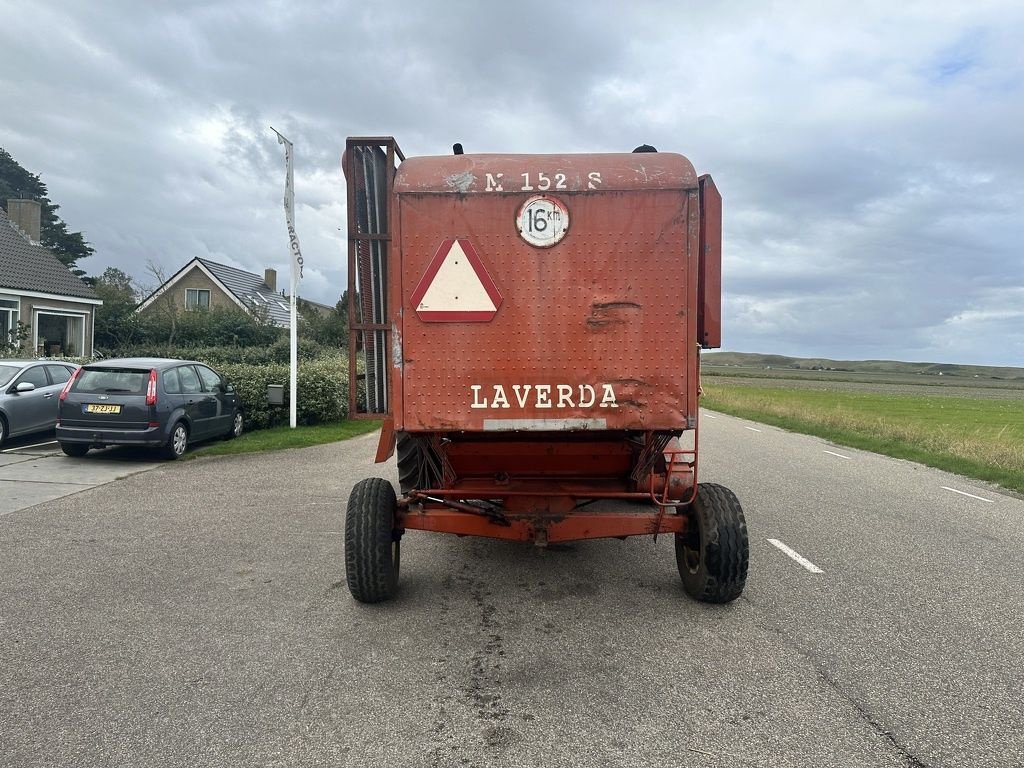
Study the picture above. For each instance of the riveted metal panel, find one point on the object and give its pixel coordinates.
(599, 328)
(709, 296)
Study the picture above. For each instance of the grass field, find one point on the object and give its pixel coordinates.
(971, 430)
(279, 438)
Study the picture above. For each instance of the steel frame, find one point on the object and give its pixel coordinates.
(358, 328)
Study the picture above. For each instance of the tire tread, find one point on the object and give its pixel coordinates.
(725, 554)
(369, 533)
(408, 461)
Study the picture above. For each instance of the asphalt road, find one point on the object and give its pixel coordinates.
(196, 615)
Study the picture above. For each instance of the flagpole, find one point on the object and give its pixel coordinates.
(295, 259)
(293, 381)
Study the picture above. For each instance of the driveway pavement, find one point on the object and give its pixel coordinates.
(35, 470)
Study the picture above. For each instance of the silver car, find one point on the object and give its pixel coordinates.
(30, 395)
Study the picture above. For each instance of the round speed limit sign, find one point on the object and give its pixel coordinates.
(542, 221)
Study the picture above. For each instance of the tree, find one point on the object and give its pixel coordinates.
(164, 312)
(327, 328)
(117, 324)
(17, 183)
(14, 344)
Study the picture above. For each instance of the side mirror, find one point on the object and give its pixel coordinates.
(25, 386)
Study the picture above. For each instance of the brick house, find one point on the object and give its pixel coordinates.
(205, 284)
(37, 289)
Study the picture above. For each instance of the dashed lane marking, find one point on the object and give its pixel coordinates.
(709, 416)
(833, 453)
(965, 493)
(752, 429)
(796, 556)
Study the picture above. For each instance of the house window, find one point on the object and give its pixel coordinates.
(59, 333)
(9, 315)
(197, 298)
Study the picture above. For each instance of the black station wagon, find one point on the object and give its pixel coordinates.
(146, 402)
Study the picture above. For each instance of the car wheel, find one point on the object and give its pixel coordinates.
(237, 425)
(177, 443)
(74, 449)
(3, 430)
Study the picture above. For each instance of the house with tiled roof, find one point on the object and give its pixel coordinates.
(38, 290)
(205, 284)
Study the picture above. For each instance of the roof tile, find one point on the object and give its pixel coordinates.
(28, 267)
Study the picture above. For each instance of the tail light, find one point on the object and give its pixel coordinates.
(151, 389)
(67, 387)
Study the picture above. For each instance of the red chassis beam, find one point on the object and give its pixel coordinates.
(572, 526)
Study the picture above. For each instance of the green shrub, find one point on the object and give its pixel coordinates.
(219, 355)
(201, 328)
(323, 391)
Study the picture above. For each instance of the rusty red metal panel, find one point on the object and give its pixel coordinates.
(592, 332)
(709, 281)
(550, 174)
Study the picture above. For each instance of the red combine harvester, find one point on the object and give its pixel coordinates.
(529, 329)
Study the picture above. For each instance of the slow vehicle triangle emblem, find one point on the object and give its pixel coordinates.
(456, 287)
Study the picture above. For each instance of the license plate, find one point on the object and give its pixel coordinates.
(102, 408)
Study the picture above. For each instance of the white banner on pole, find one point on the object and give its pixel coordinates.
(289, 205)
(296, 261)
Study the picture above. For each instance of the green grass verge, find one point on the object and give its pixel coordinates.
(279, 438)
(978, 438)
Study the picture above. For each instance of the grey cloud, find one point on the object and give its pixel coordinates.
(868, 155)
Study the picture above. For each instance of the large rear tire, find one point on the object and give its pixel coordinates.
(74, 449)
(408, 452)
(714, 552)
(372, 544)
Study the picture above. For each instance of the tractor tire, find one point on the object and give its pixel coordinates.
(714, 552)
(408, 461)
(372, 544)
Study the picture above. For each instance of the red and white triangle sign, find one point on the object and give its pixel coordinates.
(456, 288)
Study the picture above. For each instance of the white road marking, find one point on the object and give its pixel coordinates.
(964, 493)
(833, 453)
(752, 429)
(796, 556)
(709, 416)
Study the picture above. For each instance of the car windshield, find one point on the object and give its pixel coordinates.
(112, 380)
(7, 372)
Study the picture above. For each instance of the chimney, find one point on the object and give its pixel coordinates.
(26, 216)
(270, 278)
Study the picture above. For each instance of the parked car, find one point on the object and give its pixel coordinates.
(155, 402)
(29, 391)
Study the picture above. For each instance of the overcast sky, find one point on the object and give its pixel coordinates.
(870, 155)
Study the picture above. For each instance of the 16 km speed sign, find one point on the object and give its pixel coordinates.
(542, 221)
